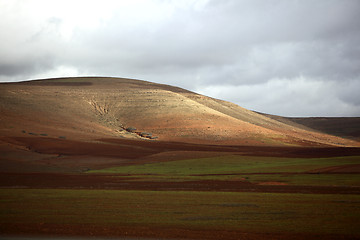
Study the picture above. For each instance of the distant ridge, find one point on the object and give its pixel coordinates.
(344, 127)
(98, 107)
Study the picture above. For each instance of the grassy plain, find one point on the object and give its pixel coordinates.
(233, 164)
(171, 212)
(226, 211)
(292, 171)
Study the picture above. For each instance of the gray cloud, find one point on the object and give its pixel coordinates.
(295, 96)
(285, 57)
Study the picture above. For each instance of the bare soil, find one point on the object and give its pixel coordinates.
(122, 182)
(53, 154)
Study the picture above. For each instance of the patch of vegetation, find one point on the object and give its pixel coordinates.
(291, 171)
(131, 129)
(252, 212)
(233, 165)
(288, 179)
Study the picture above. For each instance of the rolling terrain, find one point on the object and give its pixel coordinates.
(345, 127)
(91, 108)
(112, 157)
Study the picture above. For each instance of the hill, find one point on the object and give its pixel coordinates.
(93, 108)
(344, 127)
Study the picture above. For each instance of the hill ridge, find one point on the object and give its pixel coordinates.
(98, 107)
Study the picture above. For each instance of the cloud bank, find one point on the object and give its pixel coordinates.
(284, 57)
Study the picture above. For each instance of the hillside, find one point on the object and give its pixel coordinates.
(344, 127)
(95, 108)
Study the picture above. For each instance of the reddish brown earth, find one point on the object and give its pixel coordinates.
(57, 162)
(29, 154)
(115, 181)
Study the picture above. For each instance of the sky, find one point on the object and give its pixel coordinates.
(284, 57)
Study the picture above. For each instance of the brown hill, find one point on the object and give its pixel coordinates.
(344, 127)
(94, 108)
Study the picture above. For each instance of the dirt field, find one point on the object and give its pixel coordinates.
(118, 182)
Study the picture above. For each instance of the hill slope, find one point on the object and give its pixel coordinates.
(93, 108)
(345, 127)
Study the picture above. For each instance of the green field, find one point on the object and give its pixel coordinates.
(50, 211)
(249, 212)
(232, 164)
(292, 171)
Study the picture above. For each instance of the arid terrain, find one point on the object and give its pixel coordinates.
(114, 158)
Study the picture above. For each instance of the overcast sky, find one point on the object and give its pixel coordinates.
(284, 57)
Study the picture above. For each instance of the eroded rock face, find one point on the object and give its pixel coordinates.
(91, 108)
